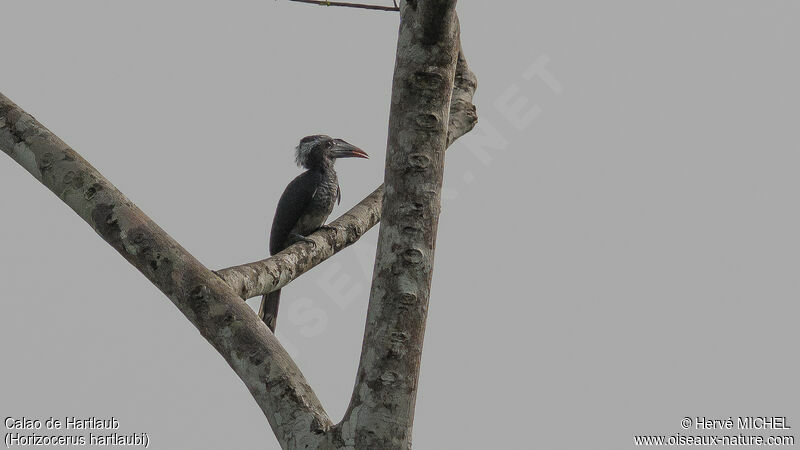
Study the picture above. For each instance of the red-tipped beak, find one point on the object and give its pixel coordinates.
(344, 149)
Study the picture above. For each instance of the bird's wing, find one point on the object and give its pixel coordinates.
(293, 202)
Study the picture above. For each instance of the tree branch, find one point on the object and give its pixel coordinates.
(260, 277)
(349, 5)
(227, 323)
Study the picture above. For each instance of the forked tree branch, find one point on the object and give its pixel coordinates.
(258, 278)
(224, 320)
(426, 99)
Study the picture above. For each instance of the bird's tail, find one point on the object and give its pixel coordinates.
(269, 309)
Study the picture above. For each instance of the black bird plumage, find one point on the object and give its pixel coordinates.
(306, 203)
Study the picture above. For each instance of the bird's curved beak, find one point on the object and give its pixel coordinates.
(342, 149)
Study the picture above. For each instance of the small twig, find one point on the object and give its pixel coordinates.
(350, 5)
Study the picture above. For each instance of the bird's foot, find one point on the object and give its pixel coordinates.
(294, 237)
(327, 227)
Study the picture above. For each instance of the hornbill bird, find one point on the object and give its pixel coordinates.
(306, 203)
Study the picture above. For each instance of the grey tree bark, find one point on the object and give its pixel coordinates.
(430, 70)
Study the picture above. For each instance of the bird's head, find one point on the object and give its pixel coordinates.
(312, 151)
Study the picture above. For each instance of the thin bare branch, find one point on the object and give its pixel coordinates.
(349, 5)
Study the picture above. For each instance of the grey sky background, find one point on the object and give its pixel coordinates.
(617, 253)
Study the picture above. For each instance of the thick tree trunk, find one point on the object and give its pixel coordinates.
(381, 410)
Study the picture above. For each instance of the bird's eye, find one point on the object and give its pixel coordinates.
(330, 144)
